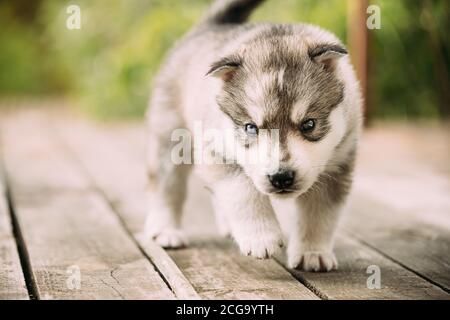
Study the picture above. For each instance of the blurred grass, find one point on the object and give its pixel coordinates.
(107, 66)
(117, 51)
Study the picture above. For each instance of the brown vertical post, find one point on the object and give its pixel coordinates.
(358, 43)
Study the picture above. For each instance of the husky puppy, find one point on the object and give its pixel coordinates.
(246, 78)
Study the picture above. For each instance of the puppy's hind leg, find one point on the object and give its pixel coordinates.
(167, 181)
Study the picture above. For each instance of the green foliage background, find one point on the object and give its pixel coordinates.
(107, 66)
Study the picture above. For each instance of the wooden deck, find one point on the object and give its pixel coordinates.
(72, 203)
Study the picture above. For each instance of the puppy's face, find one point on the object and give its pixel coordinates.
(284, 112)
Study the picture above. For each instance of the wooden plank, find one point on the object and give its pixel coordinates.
(12, 282)
(69, 230)
(178, 282)
(421, 247)
(219, 271)
(214, 268)
(399, 168)
(350, 281)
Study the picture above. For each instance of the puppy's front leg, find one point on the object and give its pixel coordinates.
(318, 211)
(311, 242)
(249, 214)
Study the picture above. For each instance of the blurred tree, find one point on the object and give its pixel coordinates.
(405, 83)
(437, 49)
(24, 10)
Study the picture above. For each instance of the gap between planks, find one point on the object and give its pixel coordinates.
(16, 282)
(354, 258)
(163, 264)
(112, 267)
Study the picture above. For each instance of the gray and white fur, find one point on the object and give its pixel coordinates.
(296, 78)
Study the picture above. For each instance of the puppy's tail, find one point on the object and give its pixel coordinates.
(230, 11)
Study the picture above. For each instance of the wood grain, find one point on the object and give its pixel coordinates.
(67, 226)
(219, 271)
(171, 272)
(350, 280)
(355, 257)
(421, 247)
(12, 282)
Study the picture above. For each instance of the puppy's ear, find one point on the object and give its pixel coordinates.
(327, 55)
(224, 69)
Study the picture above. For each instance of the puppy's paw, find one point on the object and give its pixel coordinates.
(163, 231)
(260, 245)
(166, 237)
(171, 238)
(315, 261)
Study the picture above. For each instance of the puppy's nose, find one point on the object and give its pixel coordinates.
(282, 179)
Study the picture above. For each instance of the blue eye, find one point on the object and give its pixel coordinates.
(251, 129)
